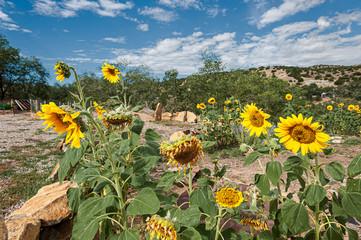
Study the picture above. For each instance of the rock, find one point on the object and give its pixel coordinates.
(337, 141)
(174, 115)
(3, 229)
(166, 116)
(181, 117)
(50, 205)
(176, 136)
(158, 112)
(21, 227)
(61, 231)
(191, 117)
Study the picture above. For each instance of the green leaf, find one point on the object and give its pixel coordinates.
(323, 178)
(262, 182)
(221, 173)
(351, 203)
(253, 156)
(243, 235)
(75, 197)
(167, 180)
(314, 194)
(146, 202)
(274, 171)
(200, 198)
(132, 234)
(191, 217)
(137, 125)
(265, 235)
(296, 217)
(210, 223)
(137, 108)
(352, 234)
(71, 157)
(86, 229)
(190, 234)
(332, 233)
(353, 185)
(151, 135)
(354, 168)
(143, 165)
(291, 162)
(208, 144)
(123, 148)
(337, 209)
(336, 170)
(90, 208)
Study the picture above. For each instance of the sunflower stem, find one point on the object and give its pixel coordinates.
(80, 90)
(190, 185)
(220, 209)
(317, 210)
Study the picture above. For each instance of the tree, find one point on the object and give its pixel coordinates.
(22, 72)
(211, 63)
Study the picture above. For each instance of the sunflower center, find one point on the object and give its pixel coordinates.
(186, 154)
(256, 119)
(112, 71)
(228, 196)
(303, 134)
(61, 117)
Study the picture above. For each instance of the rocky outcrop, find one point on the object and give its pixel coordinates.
(47, 208)
(177, 136)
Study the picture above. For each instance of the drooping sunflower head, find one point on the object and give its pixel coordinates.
(62, 122)
(211, 100)
(183, 152)
(288, 97)
(254, 120)
(329, 107)
(254, 219)
(341, 105)
(62, 70)
(110, 73)
(296, 132)
(351, 107)
(121, 118)
(162, 228)
(228, 194)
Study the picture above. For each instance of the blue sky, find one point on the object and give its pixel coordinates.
(167, 34)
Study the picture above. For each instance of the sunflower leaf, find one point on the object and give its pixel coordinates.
(336, 170)
(253, 156)
(354, 168)
(314, 194)
(274, 171)
(146, 202)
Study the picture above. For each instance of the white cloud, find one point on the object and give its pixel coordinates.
(176, 33)
(115, 40)
(143, 27)
(78, 51)
(181, 3)
(158, 13)
(287, 8)
(213, 11)
(66, 30)
(352, 16)
(69, 8)
(9, 24)
(299, 44)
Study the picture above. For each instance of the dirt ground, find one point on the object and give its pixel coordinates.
(19, 128)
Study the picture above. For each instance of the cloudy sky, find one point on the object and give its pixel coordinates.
(167, 34)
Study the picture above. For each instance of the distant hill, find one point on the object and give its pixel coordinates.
(322, 75)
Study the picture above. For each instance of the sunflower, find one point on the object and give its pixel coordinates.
(307, 106)
(99, 110)
(184, 151)
(163, 228)
(201, 106)
(211, 100)
(110, 73)
(228, 102)
(236, 101)
(357, 107)
(341, 105)
(231, 110)
(329, 107)
(62, 70)
(351, 107)
(228, 194)
(239, 121)
(225, 109)
(288, 97)
(237, 109)
(254, 120)
(118, 118)
(296, 133)
(62, 122)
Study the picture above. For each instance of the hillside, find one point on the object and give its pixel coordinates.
(322, 75)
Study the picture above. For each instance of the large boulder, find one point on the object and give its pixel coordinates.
(191, 117)
(181, 117)
(166, 116)
(47, 208)
(158, 112)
